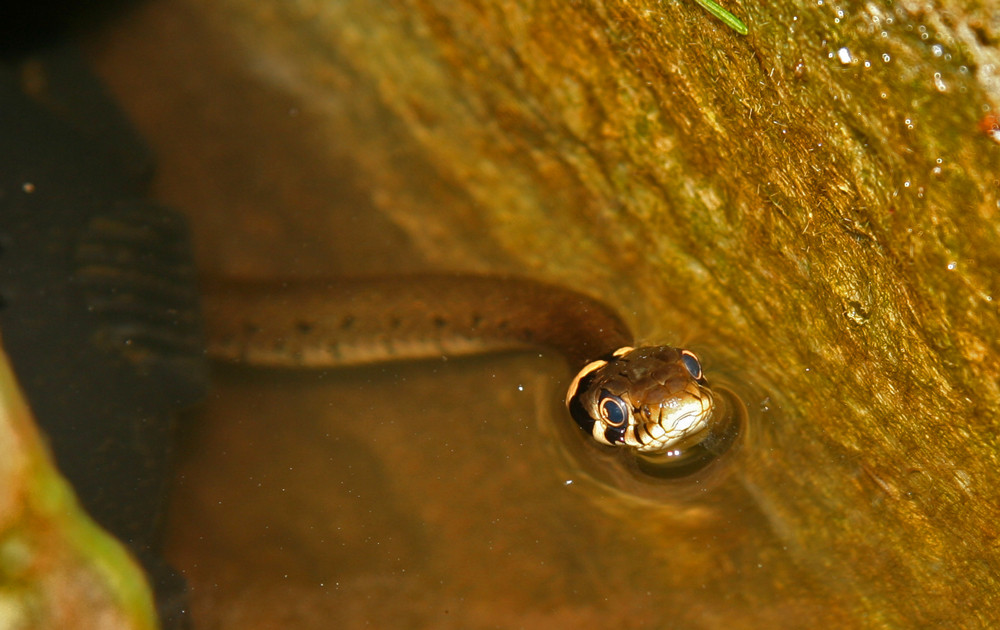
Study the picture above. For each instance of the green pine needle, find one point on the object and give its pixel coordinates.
(730, 20)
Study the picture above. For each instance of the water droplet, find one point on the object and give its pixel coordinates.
(939, 83)
(952, 265)
(885, 57)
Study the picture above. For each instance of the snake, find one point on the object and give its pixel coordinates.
(653, 402)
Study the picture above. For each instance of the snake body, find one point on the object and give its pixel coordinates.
(654, 400)
(354, 321)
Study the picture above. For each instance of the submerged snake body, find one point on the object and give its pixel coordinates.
(654, 400)
(354, 321)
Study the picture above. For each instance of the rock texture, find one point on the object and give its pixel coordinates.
(57, 568)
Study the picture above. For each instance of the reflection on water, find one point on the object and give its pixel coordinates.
(429, 494)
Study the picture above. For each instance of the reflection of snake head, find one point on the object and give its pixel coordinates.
(654, 400)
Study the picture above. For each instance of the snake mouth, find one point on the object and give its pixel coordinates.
(656, 439)
(706, 449)
(675, 422)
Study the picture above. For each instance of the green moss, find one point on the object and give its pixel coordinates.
(55, 563)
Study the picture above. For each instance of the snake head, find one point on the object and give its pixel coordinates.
(654, 399)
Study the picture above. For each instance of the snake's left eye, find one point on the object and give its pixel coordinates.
(613, 410)
(692, 364)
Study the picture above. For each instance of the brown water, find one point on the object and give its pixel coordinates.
(421, 495)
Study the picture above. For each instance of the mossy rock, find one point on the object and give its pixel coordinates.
(58, 569)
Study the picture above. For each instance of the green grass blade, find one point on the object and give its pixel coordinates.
(731, 20)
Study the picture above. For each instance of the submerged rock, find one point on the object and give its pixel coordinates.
(59, 569)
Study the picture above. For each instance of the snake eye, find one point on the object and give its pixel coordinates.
(692, 364)
(613, 409)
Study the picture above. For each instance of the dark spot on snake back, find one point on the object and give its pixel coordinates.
(304, 327)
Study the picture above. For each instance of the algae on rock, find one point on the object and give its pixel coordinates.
(58, 569)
